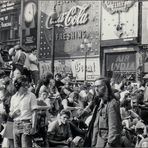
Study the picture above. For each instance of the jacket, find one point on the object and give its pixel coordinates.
(105, 127)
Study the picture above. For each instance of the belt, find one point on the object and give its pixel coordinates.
(21, 121)
(103, 129)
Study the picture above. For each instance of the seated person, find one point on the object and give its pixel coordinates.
(128, 116)
(70, 103)
(141, 133)
(65, 90)
(42, 119)
(42, 101)
(54, 94)
(59, 132)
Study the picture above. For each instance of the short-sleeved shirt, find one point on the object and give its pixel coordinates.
(59, 131)
(26, 104)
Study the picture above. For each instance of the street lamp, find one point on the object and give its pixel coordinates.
(54, 18)
(85, 47)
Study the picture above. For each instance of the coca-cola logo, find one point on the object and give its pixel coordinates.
(118, 6)
(77, 15)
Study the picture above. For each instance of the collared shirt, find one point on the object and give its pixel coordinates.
(26, 104)
(59, 130)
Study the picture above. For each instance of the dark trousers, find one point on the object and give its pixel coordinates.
(35, 76)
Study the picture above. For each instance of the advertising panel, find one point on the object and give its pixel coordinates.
(119, 19)
(74, 66)
(76, 20)
(121, 62)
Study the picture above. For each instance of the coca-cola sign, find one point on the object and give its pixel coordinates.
(73, 22)
(118, 6)
(75, 16)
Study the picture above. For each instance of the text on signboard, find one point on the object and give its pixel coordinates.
(77, 15)
(123, 63)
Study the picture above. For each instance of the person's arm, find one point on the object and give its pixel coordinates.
(34, 121)
(52, 133)
(67, 92)
(33, 103)
(1, 59)
(114, 123)
(32, 60)
(43, 107)
(65, 105)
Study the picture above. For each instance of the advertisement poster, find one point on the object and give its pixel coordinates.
(75, 67)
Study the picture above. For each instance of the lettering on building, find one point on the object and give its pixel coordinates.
(123, 63)
(79, 67)
(77, 15)
(71, 35)
(7, 6)
(118, 6)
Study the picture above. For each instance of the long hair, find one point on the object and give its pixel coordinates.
(45, 79)
(20, 82)
(106, 81)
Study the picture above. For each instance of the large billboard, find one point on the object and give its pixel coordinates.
(76, 20)
(119, 19)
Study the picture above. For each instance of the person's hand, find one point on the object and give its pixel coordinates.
(69, 139)
(77, 107)
(15, 113)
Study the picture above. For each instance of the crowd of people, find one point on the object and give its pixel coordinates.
(57, 111)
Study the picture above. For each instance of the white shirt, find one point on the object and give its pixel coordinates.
(33, 67)
(25, 103)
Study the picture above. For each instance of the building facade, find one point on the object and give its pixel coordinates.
(9, 23)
